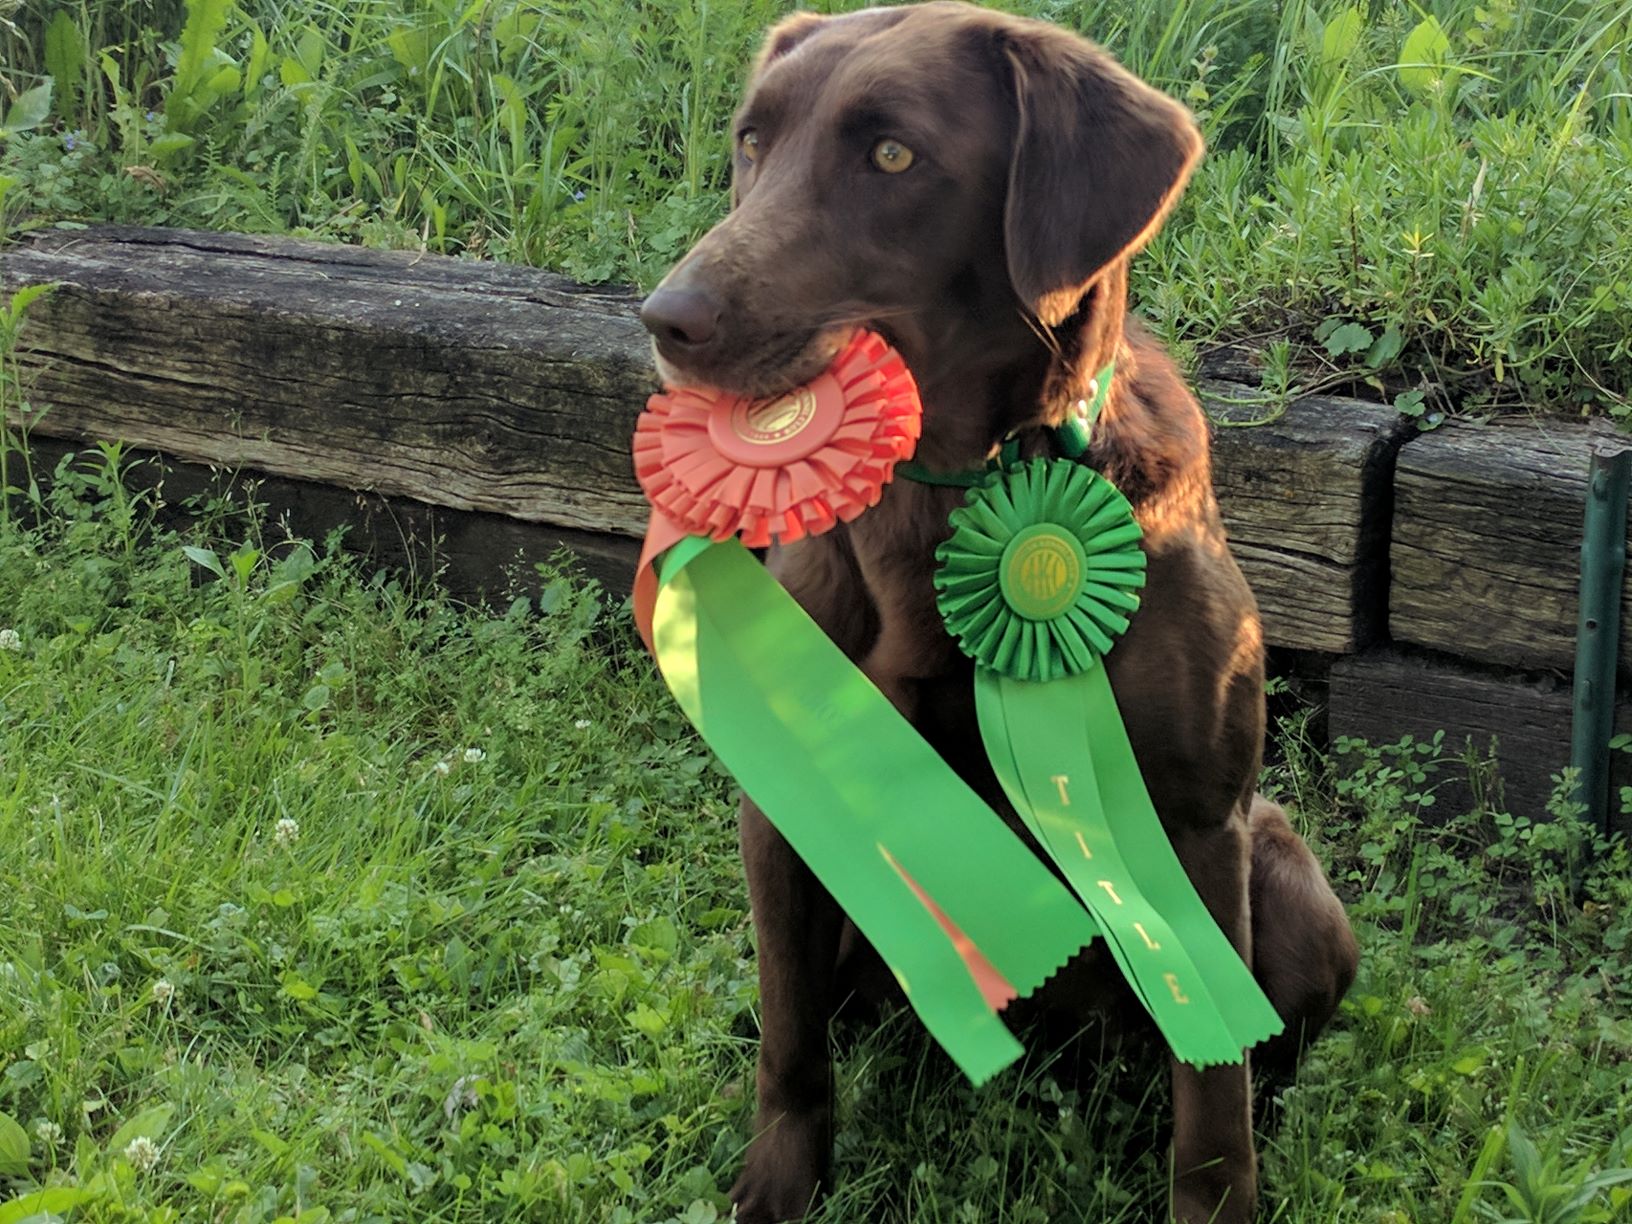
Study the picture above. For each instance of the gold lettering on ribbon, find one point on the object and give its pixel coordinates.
(1111, 889)
(1172, 980)
(1086, 853)
(1060, 780)
(1145, 935)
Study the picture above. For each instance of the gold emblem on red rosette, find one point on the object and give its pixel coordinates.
(781, 468)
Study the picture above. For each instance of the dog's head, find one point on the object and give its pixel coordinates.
(946, 175)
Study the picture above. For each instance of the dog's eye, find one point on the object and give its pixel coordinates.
(891, 156)
(749, 143)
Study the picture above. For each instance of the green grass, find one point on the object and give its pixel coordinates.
(1432, 197)
(327, 899)
(324, 898)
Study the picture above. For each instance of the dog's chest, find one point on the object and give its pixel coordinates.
(894, 545)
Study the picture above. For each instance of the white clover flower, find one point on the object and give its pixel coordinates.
(473, 755)
(582, 724)
(142, 1153)
(10, 639)
(49, 1132)
(285, 832)
(442, 767)
(163, 991)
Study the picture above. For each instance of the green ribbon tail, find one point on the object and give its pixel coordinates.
(1247, 1011)
(1061, 753)
(912, 855)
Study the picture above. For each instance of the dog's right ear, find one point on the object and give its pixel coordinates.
(784, 36)
(1099, 159)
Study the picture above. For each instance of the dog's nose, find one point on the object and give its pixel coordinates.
(684, 318)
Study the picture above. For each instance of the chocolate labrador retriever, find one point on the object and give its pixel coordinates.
(972, 186)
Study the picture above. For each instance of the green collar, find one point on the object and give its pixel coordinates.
(1073, 436)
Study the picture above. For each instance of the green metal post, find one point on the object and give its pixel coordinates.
(1603, 560)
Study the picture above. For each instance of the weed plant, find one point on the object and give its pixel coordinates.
(1430, 198)
(325, 899)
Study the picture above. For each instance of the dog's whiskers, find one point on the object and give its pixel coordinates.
(1044, 333)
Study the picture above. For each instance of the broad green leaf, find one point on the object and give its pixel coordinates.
(22, 299)
(14, 1147)
(1350, 338)
(412, 49)
(1526, 1160)
(397, 1164)
(168, 145)
(1470, 1064)
(206, 558)
(1422, 57)
(648, 1020)
(243, 562)
(274, 1145)
(1594, 1185)
(1410, 403)
(205, 21)
(28, 111)
(1386, 348)
(45, 1204)
(1341, 35)
(222, 81)
(658, 935)
(255, 66)
(207, 1181)
(65, 56)
(149, 1124)
(311, 49)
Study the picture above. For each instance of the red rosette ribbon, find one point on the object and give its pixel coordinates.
(798, 464)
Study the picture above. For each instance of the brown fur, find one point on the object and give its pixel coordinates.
(997, 265)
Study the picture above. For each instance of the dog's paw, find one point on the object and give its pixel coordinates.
(783, 1175)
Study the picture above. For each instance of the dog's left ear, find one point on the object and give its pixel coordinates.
(1099, 159)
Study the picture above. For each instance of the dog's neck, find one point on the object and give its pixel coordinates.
(1022, 382)
(1150, 438)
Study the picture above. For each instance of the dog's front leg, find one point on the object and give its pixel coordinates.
(1214, 1169)
(798, 925)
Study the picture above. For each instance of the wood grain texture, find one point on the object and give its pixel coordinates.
(506, 391)
(1383, 695)
(1486, 546)
(472, 386)
(1306, 500)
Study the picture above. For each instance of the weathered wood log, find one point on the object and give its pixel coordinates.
(1487, 541)
(1306, 500)
(1231, 363)
(1524, 721)
(471, 386)
(507, 391)
(472, 555)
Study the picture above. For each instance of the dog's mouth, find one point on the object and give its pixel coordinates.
(765, 370)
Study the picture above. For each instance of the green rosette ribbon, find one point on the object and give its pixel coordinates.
(1041, 571)
(1036, 582)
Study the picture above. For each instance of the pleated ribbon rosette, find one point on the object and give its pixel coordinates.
(1037, 581)
(964, 914)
